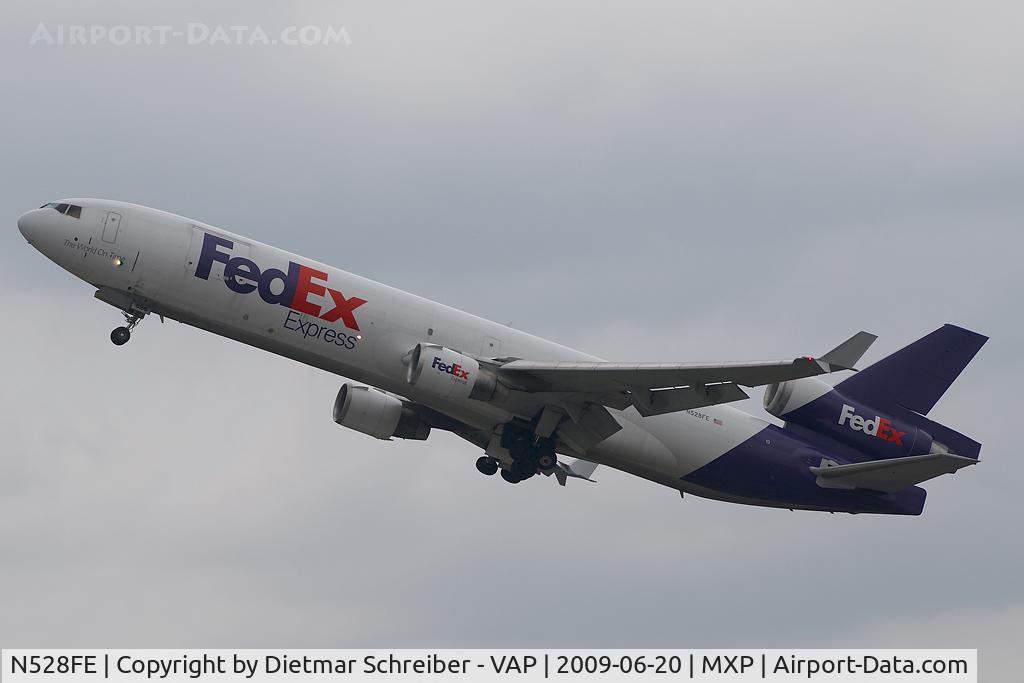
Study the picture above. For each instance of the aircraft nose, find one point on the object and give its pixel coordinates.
(29, 224)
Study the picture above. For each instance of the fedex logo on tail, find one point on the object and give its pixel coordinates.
(455, 370)
(299, 283)
(879, 427)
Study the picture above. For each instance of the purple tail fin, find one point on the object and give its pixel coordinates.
(916, 376)
(909, 382)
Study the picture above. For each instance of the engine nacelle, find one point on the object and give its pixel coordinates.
(819, 407)
(379, 414)
(786, 397)
(450, 374)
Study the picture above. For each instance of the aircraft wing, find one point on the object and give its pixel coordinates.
(656, 388)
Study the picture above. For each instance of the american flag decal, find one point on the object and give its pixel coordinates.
(718, 422)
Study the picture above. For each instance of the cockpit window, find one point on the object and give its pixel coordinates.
(72, 210)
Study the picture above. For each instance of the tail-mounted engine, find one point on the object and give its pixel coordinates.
(379, 414)
(821, 408)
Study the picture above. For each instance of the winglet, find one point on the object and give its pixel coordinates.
(846, 355)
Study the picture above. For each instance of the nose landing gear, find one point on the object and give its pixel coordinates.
(121, 335)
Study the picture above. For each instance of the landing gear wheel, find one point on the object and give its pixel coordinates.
(523, 468)
(547, 461)
(132, 316)
(120, 336)
(516, 440)
(510, 477)
(486, 465)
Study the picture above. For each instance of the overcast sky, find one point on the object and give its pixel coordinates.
(644, 181)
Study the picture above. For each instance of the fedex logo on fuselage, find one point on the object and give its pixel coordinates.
(879, 427)
(455, 370)
(298, 283)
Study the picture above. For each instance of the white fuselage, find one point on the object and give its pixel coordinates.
(154, 255)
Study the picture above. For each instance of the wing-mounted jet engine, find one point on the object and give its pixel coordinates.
(378, 414)
(450, 374)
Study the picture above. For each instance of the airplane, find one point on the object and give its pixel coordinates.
(534, 407)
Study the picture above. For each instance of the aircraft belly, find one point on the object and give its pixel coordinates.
(634, 448)
(694, 437)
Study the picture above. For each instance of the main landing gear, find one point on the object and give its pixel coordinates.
(530, 455)
(121, 335)
(486, 465)
(489, 466)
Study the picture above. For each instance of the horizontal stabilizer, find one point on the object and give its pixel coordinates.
(891, 475)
